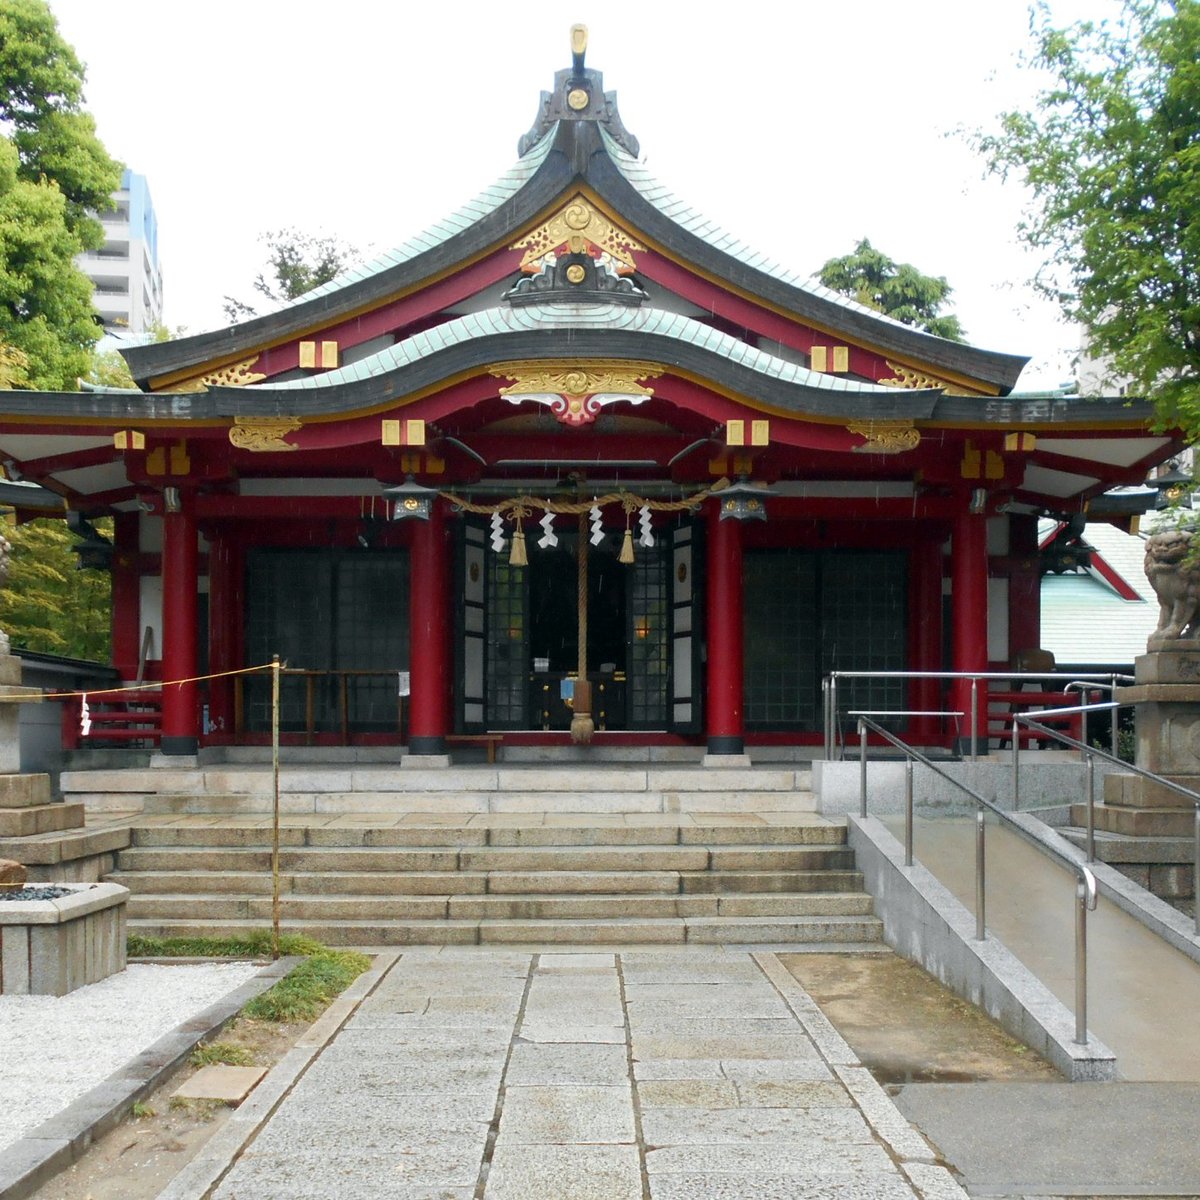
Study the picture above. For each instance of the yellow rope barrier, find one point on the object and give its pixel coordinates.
(32, 697)
(520, 506)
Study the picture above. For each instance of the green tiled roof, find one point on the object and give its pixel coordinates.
(647, 321)
(487, 201)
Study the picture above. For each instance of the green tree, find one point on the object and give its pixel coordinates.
(897, 289)
(46, 311)
(47, 603)
(53, 170)
(41, 113)
(296, 263)
(1110, 154)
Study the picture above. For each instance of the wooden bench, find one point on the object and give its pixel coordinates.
(490, 740)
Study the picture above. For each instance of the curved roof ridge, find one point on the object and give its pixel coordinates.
(673, 207)
(442, 230)
(650, 321)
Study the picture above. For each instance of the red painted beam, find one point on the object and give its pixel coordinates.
(399, 314)
(71, 460)
(744, 314)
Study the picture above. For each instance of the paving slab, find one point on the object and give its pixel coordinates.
(644, 1075)
(1060, 1139)
(565, 1173)
(228, 1084)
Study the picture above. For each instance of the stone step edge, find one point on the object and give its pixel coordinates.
(299, 924)
(515, 897)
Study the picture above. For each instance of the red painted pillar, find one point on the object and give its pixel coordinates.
(179, 579)
(725, 634)
(969, 614)
(925, 634)
(225, 560)
(429, 635)
(126, 596)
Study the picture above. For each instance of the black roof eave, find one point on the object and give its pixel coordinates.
(577, 156)
(428, 373)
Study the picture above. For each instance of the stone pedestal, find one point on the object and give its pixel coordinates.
(52, 947)
(1167, 694)
(26, 809)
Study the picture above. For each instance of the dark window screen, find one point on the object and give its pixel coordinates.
(507, 653)
(648, 636)
(333, 612)
(810, 612)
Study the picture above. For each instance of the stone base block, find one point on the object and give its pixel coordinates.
(1138, 822)
(44, 818)
(422, 762)
(24, 791)
(1180, 664)
(1132, 791)
(1167, 881)
(52, 947)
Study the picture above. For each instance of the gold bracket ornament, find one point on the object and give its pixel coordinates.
(576, 393)
(578, 225)
(886, 437)
(909, 377)
(235, 375)
(262, 435)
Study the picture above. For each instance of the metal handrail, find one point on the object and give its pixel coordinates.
(829, 692)
(1090, 753)
(1085, 890)
(1083, 687)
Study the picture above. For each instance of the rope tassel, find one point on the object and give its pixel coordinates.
(517, 557)
(626, 555)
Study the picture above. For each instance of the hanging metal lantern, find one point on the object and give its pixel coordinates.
(744, 501)
(410, 500)
(1174, 487)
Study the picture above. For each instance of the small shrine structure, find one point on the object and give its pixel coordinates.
(574, 423)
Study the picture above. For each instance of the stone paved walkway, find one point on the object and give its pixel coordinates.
(646, 1075)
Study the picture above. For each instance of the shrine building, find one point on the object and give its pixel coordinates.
(574, 424)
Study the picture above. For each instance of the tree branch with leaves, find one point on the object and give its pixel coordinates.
(1111, 157)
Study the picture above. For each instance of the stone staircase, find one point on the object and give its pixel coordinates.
(458, 879)
(378, 853)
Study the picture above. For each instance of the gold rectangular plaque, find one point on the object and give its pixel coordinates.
(819, 358)
(841, 359)
(735, 433)
(760, 433)
(308, 354)
(329, 354)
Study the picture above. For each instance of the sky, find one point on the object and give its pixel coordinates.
(799, 127)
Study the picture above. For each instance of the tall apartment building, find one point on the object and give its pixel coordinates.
(125, 270)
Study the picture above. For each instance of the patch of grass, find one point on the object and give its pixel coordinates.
(256, 943)
(140, 1110)
(208, 1054)
(302, 996)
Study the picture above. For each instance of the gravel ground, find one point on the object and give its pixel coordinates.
(55, 1048)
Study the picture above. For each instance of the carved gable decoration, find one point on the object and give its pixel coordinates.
(262, 435)
(576, 392)
(236, 374)
(886, 437)
(581, 229)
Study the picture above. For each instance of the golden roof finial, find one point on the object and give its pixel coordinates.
(578, 45)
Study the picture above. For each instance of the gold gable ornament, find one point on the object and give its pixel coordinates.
(262, 435)
(576, 392)
(578, 225)
(234, 375)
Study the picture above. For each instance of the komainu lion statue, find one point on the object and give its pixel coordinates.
(1175, 577)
